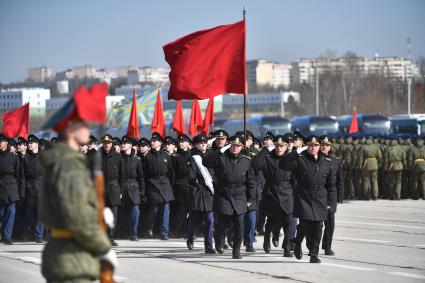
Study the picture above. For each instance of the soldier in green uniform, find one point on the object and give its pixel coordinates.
(357, 169)
(369, 159)
(416, 164)
(394, 162)
(348, 168)
(68, 206)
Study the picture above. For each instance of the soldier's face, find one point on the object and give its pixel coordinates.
(325, 148)
(126, 146)
(81, 133)
(117, 148)
(170, 147)
(220, 143)
(249, 143)
(184, 145)
(268, 142)
(22, 147)
(3, 145)
(33, 146)
(290, 145)
(235, 149)
(280, 149)
(143, 149)
(156, 144)
(313, 149)
(202, 146)
(298, 143)
(107, 146)
(12, 149)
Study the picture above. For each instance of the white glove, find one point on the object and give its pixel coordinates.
(108, 216)
(111, 258)
(224, 148)
(301, 149)
(210, 141)
(270, 148)
(248, 204)
(328, 207)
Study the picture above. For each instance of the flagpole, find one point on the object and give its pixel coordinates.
(244, 96)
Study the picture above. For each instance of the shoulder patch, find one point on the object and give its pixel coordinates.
(328, 159)
(247, 157)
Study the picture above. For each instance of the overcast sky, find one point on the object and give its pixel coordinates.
(110, 33)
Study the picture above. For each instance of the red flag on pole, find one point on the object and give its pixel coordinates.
(209, 116)
(195, 119)
(207, 63)
(354, 127)
(133, 122)
(16, 123)
(178, 123)
(158, 122)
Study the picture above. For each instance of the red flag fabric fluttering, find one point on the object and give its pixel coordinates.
(209, 116)
(354, 127)
(158, 121)
(133, 122)
(178, 123)
(195, 119)
(16, 123)
(207, 63)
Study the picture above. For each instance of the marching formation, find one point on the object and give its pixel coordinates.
(226, 189)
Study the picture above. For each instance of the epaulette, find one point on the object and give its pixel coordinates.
(328, 159)
(243, 155)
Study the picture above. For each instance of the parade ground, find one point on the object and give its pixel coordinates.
(375, 241)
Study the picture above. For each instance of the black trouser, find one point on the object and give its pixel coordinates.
(312, 230)
(222, 223)
(276, 220)
(179, 218)
(261, 216)
(329, 231)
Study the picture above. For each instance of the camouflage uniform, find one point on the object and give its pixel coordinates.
(369, 158)
(68, 206)
(357, 168)
(394, 162)
(416, 163)
(348, 169)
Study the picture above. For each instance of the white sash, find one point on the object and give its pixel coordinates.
(204, 172)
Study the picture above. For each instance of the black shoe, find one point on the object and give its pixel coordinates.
(210, 251)
(314, 259)
(275, 241)
(329, 252)
(226, 247)
(292, 246)
(266, 245)
(236, 256)
(250, 249)
(113, 243)
(287, 254)
(260, 233)
(189, 244)
(164, 238)
(219, 249)
(8, 242)
(150, 234)
(39, 241)
(298, 252)
(135, 239)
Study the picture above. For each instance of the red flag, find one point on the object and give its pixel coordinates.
(195, 119)
(133, 122)
(16, 123)
(158, 122)
(178, 123)
(207, 63)
(354, 127)
(209, 116)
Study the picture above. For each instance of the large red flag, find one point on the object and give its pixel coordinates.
(354, 127)
(195, 119)
(158, 122)
(133, 122)
(207, 63)
(16, 123)
(178, 123)
(209, 116)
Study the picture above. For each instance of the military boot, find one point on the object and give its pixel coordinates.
(266, 244)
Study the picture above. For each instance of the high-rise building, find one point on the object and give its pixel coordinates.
(83, 72)
(263, 72)
(39, 74)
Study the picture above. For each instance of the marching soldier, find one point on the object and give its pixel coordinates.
(394, 161)
(202, 195)
(9, 193)
(313, 194)
(277, 194)
(326, 149)
(416, 163)
(133, 185)
(369, 159)
(159, 178)
(32, 182)
(235, 192)
(113, 170)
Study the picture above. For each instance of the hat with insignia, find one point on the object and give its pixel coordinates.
(312, 140)
(33, 138)
(126, 140)
(211, 135)
(298, 136)
(144, 142)
(289, 137)
(134, 141)
(325, 140)
(221, 134)
(3, 138)
(107, 138)
(93, 139)
(268, 136)
(237, 140)
(183, 138)
(11, 142)
(116, 141)
(170, 140)
(200, 138)
(156, 137)
(22, 140)
(257, 141)
(279, 140)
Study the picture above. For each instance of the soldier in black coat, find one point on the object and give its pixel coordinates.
(19, 229)
(234, 193)
(133, 185)
(277, 194)
(314, 194)
(325, 148)
(9, 194)
(202, 195)
(113, 171)
(159, 177)
(181, 205)
(32, 181)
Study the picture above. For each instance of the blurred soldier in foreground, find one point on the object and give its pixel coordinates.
(68, 207)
